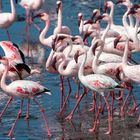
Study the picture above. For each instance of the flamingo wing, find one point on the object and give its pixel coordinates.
(27, 88)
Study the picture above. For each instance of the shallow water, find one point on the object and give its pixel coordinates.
(34, 129)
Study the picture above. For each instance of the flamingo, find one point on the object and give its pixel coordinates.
(60, 28)
(99, 83)
(23, 89)
(7, 19)
(131, 72)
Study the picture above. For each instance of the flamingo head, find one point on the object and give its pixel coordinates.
(80, 17)
(124, 2)
(120, 39)
(77, 54)
(77, 40)
(43, 16)
(104, 17)
(59, 5)
(88, 22)
(107, 4)
(135, 10)
(87, 35)
(95, 13)
(98, 43)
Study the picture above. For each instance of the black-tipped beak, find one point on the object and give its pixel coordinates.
(131, 11)
(105, 7)
(119, 1)
(99, 18)
(58, 7)
(93, 15)
(54, 42)
(86, 36)
(79, 19)
(76, 56)
(73, 39)
(37, 15)
(95, 47)
(116, 41)
(60, 38)
(88, 22)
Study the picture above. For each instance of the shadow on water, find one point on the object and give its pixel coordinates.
(34, 128)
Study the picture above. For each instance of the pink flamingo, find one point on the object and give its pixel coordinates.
(131, 72)
(99, 83)
(60, 28)
(7, 19)
(23, 89)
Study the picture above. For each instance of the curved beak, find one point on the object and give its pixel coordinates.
(88, 22)
(37, 15)
(132, 11)
(119, 1)
(105, 7)
(58, 6)
(79, 19)
(76, 56)
(99, 18)
(93, 15)
(116, 41)
(86, 36)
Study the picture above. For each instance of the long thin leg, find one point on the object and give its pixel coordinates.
(62, 91)
(78, 89)
(27, 29)
(6, 106)
(28, 109)
(45, 120)
(64, 104)
(124, 103)
(69, 117)
(109, 116)
(18, 116)
(95, 121)
(94, 105)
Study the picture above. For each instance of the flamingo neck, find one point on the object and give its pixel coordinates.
(112, 13)
(130, 16)
(81, 26)
(42, 38)
(62, 68)
(3, 79)
(124, 20)
(81, 69)
(136, 39)
(48, 62)
(105, 31)
(59, 22)
(125, 55)
(13, 10)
